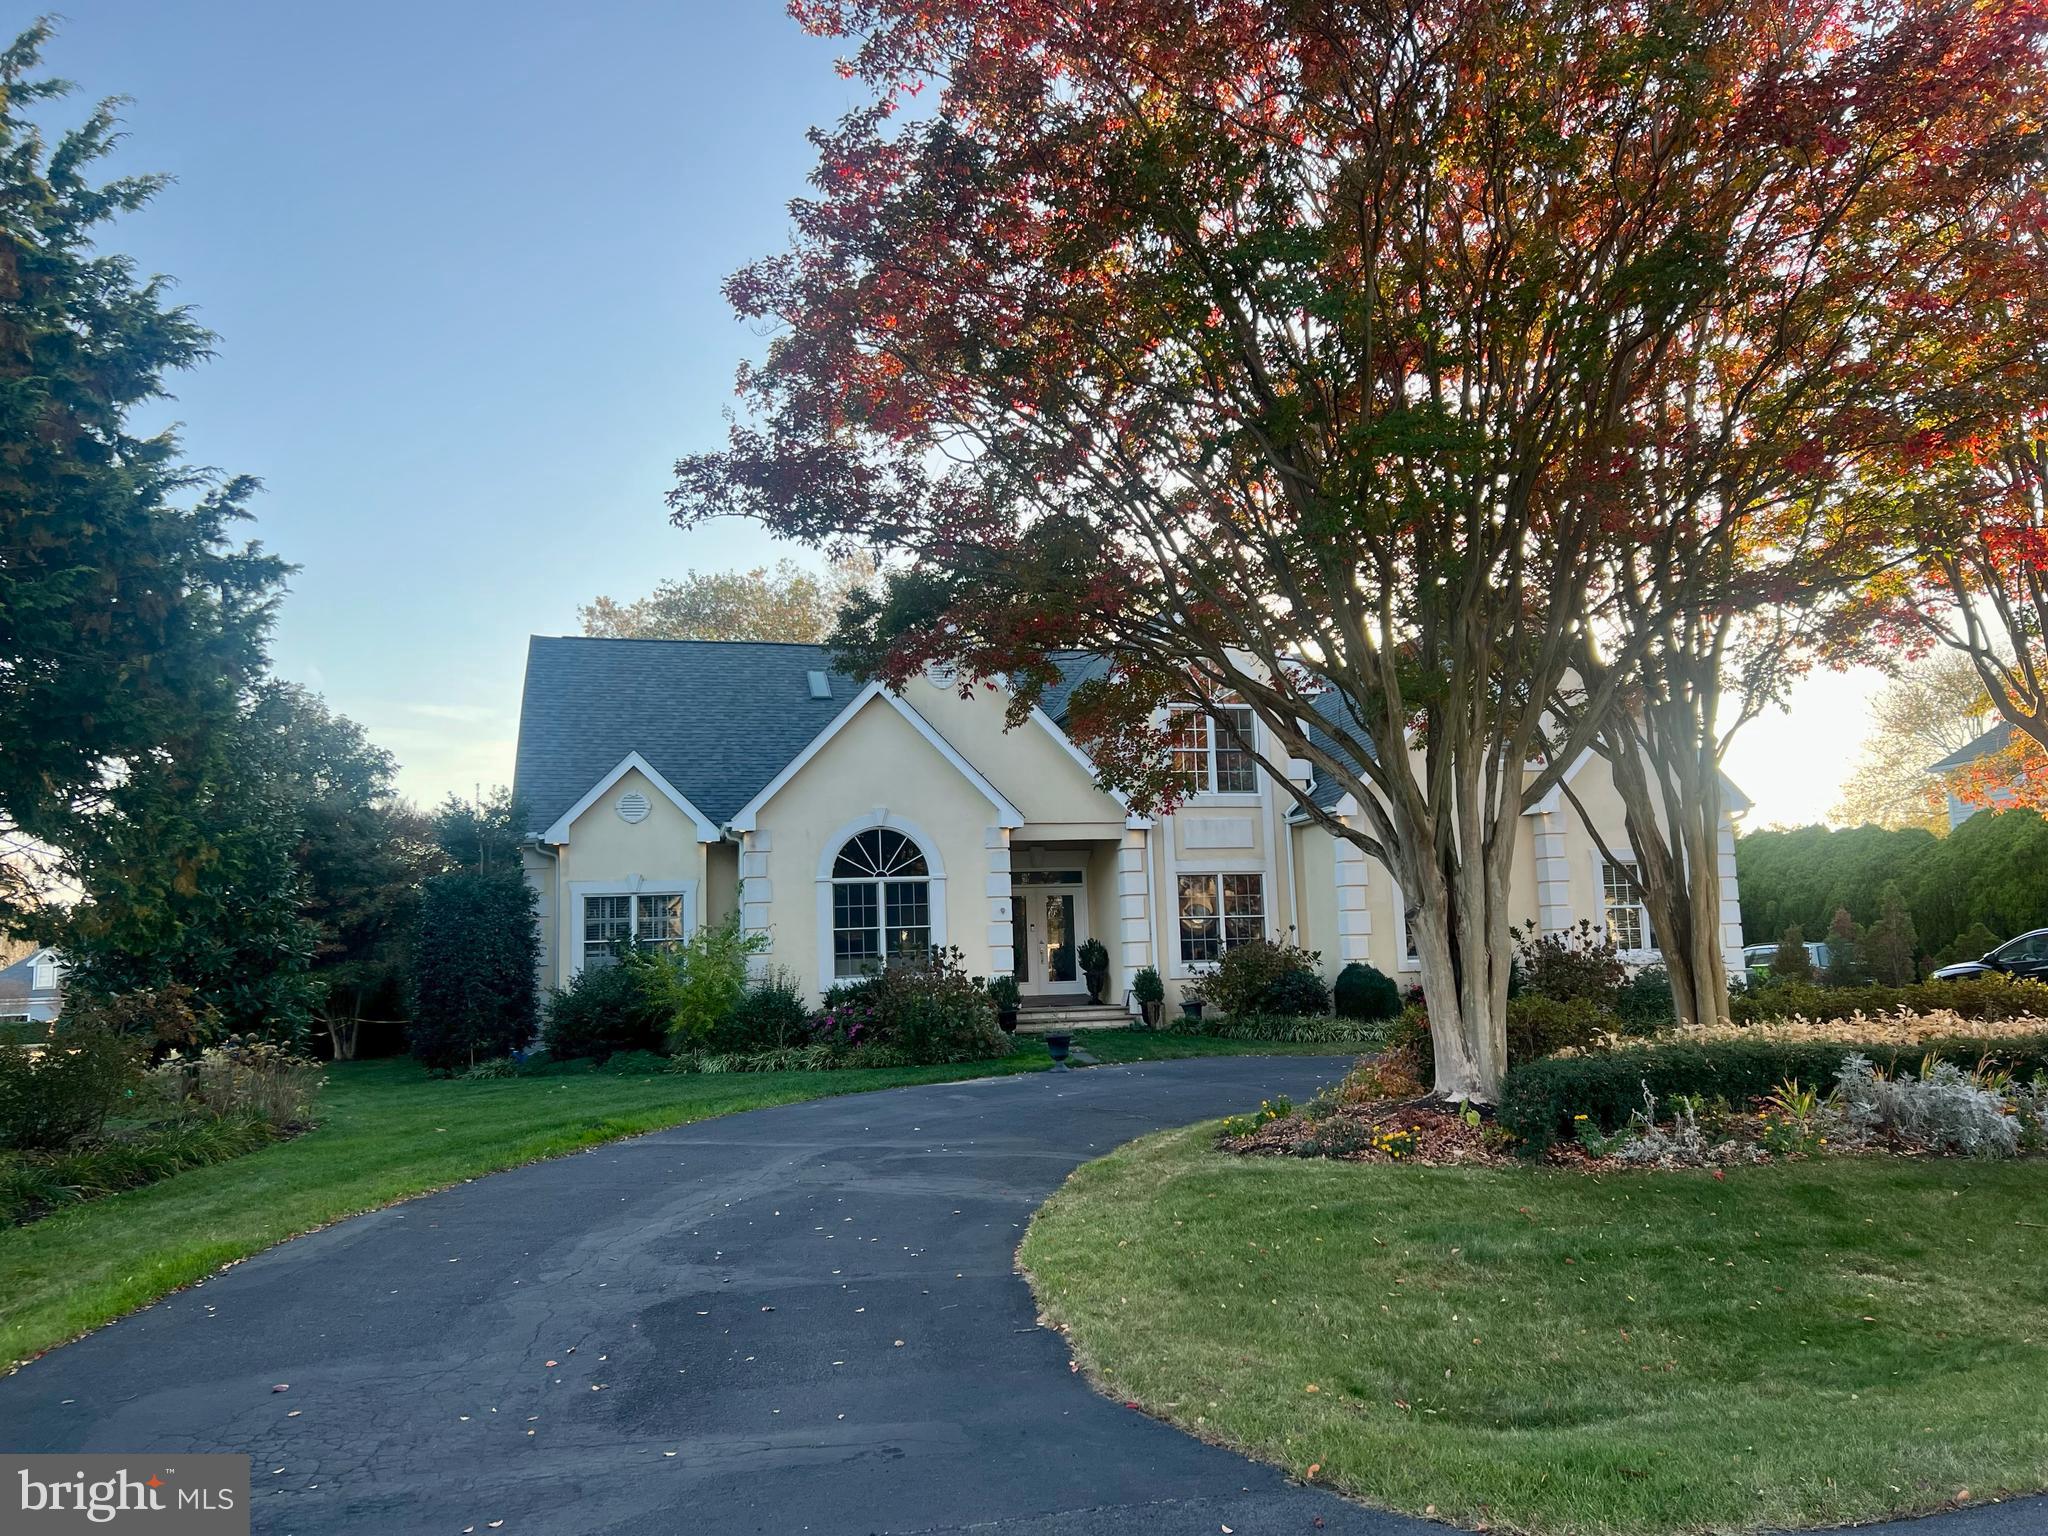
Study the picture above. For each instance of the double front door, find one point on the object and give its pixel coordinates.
(1046, 910)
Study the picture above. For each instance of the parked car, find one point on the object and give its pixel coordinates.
(1758, 957)
(2026, 955)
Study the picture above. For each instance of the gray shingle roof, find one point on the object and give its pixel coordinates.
(1997, 739)
(1076, 668)
(717, 719)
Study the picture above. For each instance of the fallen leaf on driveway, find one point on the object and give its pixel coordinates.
(282, 1386)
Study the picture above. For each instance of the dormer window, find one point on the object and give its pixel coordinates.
(1212, 757)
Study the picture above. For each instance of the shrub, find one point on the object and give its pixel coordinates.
(1245, 978)
(1892, 943)
(1539, 1098)
(1982, 997)
(243, 1079)
(1579, 962)
(932, 1011)
(1299, 993)
(33, 1184)
(1409, 1045)
(1005, 994)
(53, 1097)
(475, 947)
(1146, 986)
(1542, 1026)
(696, 984)
(771, 1014)
(1094, 958)
(603, 1009)
(1945, 1109)
(1792, 962)
(1313, 1029)
(1364, 992)
(1845, 951)
(173, 1014)
(1645, 1004)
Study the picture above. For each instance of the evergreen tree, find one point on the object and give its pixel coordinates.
(1846, 967)
(1892, 945)
(1792, 962)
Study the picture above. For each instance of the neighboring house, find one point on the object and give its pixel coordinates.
(1950, 769)
(32, 988)
(675, 783)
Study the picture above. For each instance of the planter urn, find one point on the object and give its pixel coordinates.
(1192, 1008)
(1056, 1047)
(1007, 1018)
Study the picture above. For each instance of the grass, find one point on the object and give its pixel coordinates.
(1803, 1344)
(387, 1131)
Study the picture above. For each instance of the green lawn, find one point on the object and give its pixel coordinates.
(1543, 1350)
(388, 1131)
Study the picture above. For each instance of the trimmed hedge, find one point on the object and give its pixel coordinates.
(1539, 1098)
(1364, 992)
(1989, 997)
(1295, 1029)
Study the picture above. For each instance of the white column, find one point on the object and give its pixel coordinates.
(1133, 906)
(1731, 901)
(1354, 916)
(1002, 933)
(757, 893)
(1553, 875)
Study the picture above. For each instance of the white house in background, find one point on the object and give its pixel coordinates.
(32, 988)
(675, 783)
(1996, 740)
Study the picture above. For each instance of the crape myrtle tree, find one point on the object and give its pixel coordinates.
(1779, 407)
(1274, 351)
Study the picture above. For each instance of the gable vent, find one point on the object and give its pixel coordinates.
(633, 806)
(820, 687)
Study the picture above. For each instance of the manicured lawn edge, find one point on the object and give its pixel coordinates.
(389, 1134)
(1657, 1347)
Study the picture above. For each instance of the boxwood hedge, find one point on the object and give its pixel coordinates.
(1540, 1098)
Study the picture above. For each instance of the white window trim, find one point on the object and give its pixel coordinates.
(1256, 794)
(1007, 815)
(935, 882)
(636, 886)
(1183, 969)
(1623, 855)
(707, 829)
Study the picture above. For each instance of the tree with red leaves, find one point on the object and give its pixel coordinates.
(1317, 356)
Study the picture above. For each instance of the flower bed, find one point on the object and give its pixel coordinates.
(1889, 1029)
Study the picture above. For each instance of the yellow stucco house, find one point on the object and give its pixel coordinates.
(674, 783)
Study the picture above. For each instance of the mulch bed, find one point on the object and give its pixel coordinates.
(1424, 1130)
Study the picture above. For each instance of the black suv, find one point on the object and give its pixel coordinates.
(2026, 955)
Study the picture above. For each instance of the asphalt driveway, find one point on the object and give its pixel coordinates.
(800, 1319)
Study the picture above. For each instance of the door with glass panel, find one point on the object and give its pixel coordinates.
(1047, 913)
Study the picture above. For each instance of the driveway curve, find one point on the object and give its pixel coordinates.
(800, 1319)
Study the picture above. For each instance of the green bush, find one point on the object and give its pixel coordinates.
(698, 983)
(1245, 979)
(603, 1010)
(1004, 992)
(1146, 986)
(1540, 1098)
(1364, 992)
(475, 949)
(1409, 1044)
(1983, 997)
(242, 1080)
(932, 1011)
(771, 1014)
(1580, 962)
(1645, 1004)
(1540, 1026)
(1300, 994)
(1300, 1029)
(33, 1184)
(52, 1098)
(1792, 962)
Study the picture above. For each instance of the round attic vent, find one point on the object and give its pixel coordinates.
(633, 806)
(941, 674)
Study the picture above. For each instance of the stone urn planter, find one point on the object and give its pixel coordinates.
(1056, 1046)
(1191, 1009)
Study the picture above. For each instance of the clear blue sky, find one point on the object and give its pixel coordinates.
(464, 262)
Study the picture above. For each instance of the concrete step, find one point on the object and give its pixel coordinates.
(1039, 1021)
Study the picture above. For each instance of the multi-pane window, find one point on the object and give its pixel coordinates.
(1628, 919)
(1219, 912)
(1212, 756)
(881, 903)
(650, 917)
(1411, 952)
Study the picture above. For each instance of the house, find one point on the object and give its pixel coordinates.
(675, 783)
(32, 988)
(1970, 760)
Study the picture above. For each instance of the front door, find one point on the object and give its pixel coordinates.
(1047, 938)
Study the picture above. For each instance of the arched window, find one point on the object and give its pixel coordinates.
(881, 902)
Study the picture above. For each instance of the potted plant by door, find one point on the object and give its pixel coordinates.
(1150, 992)
(1095, 967)
(1002, 991)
